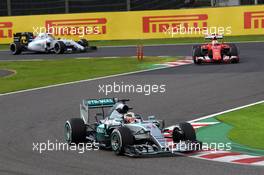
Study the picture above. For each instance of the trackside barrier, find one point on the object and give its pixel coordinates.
(241, 20)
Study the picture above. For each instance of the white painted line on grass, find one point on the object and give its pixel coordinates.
(82, 81)
(226, 111)
(111, 57)
(83, 58)
(163, 56)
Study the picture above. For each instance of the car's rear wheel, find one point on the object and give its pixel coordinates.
(59, 47)
(16, 48)
(120, 138)
(75, 131)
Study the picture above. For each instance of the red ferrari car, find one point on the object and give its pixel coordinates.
(215, 52)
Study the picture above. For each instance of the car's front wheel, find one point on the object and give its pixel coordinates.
(188, 131)
(183, 132)
(83, 42)
(120, 138)
(196, 53)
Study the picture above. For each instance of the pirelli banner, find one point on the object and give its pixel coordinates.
(242, 20)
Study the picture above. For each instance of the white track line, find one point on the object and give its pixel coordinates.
(226, 111)
(82, 81)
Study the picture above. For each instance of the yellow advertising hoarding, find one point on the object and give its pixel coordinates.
(242, 20)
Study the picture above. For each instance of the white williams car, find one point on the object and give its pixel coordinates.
(46, 43)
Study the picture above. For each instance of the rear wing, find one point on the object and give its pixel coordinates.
(93, 104)
(214, 37)
(100, 103)
(24, 37)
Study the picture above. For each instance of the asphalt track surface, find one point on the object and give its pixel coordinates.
(191, 92)
(103, 52)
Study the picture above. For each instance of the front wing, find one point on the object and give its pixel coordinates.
(170, 150)
(225, 59)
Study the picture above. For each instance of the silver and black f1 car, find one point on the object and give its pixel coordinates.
(215, 52)
(127, 133)
(46, 43)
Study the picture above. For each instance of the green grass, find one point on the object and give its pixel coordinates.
(248, 126)
(4, 46)
(163, 41)
(32, 74)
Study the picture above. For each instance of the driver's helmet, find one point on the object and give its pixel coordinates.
(51, 37)
(122, 108)
(214, 42)
(130, 114)
(130, 117)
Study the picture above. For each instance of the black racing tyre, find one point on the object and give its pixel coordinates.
(120, 138)
(210, 54)
(83, 42)
(233, 50)
(188, 131)
(59, 47)
(16, 48)
(75, 131)
(93, 48)
(177, 135)
(234, 61)
(196, 53)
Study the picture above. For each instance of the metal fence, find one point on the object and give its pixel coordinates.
(34, 7)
